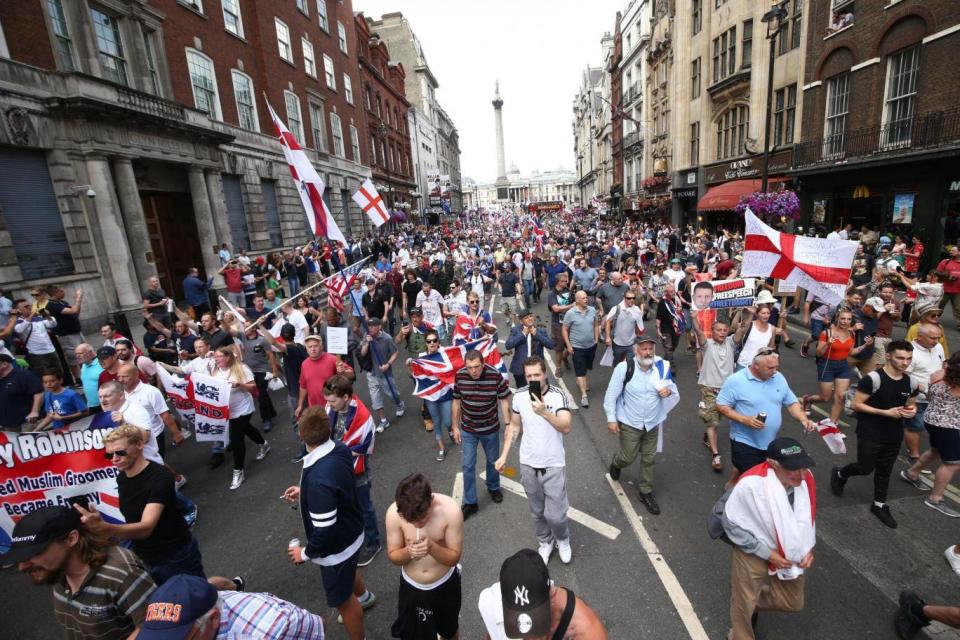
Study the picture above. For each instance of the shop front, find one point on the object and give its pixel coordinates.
(684, 192)
(727, 182)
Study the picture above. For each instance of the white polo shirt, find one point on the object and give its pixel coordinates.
(542, 445)
(150, 398)
(925, 362)
(134, 414)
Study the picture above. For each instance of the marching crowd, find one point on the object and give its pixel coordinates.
(416, 303)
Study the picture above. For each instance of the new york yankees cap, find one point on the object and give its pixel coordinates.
(525, 594)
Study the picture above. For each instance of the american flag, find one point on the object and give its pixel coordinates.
(434, 374)
(338, 286)
(359, 436)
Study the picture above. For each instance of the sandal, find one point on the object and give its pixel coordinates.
(716, 463)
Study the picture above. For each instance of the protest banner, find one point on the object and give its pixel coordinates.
(722, 294)
(211, 404)
(783, 288)
(48, 469)
(178, 390)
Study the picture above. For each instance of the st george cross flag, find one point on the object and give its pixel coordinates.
(308, 182)
(434, 374)
(372, 203)
(820, 266)
(339, 284)
(359, 434)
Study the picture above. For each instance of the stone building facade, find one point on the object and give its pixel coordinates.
(157, 107)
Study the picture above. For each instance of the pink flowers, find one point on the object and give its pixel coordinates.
(771, 204)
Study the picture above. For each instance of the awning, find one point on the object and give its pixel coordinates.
(726, 196)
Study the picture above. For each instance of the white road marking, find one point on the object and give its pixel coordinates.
(457, 493)
(493, 297)
(677, 595)
(606, 530)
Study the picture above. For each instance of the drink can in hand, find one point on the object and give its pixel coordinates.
(294, 543)
(762, 416)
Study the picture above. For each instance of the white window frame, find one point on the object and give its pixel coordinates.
(303, 6)
(329, 72)
(322, 17)
(64, 48)
(309, 59)
(355, 144)
(318, 124)
(347, 88)
(836, 109)
(122, 63)
(234, 11)
(894, 97)
(297, 131)
(336, 132)
(342, 36)
(236, 74)
(216, 112)
(281, 27)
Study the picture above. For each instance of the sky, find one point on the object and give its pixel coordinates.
(537, 49)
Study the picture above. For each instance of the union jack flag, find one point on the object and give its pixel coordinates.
(360, 434)
(538, 232)
(467, 327)
(435, 373)
(338, 286)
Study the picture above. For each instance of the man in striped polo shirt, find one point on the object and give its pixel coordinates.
(99, 590)
(476, 392)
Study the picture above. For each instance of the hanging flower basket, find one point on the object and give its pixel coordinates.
(771, 205)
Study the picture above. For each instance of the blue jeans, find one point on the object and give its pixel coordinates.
(186, 560)
(491, 450)
(440, 414)
(294, 285)
(371, 534)
(527, 292)
(185, 504)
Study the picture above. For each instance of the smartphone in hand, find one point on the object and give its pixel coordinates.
(536, 391)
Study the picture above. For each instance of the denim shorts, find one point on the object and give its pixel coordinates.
(946, 442)
(830, 370)
(915, 424)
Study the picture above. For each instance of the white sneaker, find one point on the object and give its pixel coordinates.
(383, 426)
(545, 549)
(563, 546)
(400, 409)
(264, 450)
(179, 482)
(584, 401)
(237, 480)
(953, 559)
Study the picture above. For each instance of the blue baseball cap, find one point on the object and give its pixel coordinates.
(175, 606)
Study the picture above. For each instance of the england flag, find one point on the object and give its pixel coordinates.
(309, 184)
(371, 203)
(434, 373)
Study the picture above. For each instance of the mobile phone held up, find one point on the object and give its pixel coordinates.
(536, 391)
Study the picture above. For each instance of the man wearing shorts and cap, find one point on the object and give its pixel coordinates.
(526, 604)
(99, 589)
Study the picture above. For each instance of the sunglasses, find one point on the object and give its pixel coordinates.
(474, 302)
(123, 453)
(432, 341)
(629, 297)
(768, 352)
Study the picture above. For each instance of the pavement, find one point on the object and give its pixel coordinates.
(645, 576)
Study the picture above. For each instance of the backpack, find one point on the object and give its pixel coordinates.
(715, 518)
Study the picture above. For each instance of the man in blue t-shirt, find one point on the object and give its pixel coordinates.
(61, 404)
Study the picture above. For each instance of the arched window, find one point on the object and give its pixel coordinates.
(204, 83)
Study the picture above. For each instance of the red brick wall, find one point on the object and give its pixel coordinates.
(25, 28)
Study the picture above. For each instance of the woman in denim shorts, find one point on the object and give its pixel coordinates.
(834, 345)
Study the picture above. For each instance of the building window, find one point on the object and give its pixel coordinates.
(148, 48)
(62, 35)
(629, 174)
(373, 151)
(322, 15)
(283, 40)
(318, 128)
(746, 47)
(294, 119)
(112, 64)
(355, 145)
(901, 95)
(204, 83)
(835, 126)
(196, 5)
(695, 79)
(342, 36)
(246, 102)
(797, 22)
(309, 61)
(348, 88)
(790, 41)
(329, 72)
(366, 98)
(387, 160)
(697, 16)
(231, 17)
(732, 132)
(695, 143)
(725, 54)
(785, 107)
(337, 132)
(719, 3)
(303, 7)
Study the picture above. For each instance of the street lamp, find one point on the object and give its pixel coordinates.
(775, 19)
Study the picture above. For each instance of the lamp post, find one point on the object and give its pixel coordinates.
(775, 19)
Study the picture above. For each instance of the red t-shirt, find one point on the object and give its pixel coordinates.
(953, 268)
(724, 268)
(314, 374)
(911, 264)
(234, 280)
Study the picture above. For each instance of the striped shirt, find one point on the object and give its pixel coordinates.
(265, 617)
(478, 399)
(111, 601)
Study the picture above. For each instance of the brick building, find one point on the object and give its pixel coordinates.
(385, 109)
(880, 140)
(157, 107)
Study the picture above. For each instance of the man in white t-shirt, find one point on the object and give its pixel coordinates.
(289, 315)
(150, 398)
(431, 303)
(543, 413)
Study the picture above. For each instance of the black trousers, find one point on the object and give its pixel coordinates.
(877, 458)
(240, 429)
(267, 410)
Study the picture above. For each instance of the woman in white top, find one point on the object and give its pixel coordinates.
(759, 336)
(241, 409)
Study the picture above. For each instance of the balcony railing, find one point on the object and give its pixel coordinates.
(152, 105)
(630, 139)
(922, 132)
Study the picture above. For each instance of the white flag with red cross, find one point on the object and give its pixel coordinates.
(309, 184)
(372, 203)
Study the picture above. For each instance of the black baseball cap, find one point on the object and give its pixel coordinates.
(643, 338)
(106, 352)
(526, 312)
(175, 606)
(36, 530)
(525, 595)
(416, 311)
(790, 454)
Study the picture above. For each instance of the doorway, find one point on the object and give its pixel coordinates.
(172, 228)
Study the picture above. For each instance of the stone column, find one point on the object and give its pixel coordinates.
(498, 114)
(206, 229)
(119, 260)
(218, 206)
(138, 238)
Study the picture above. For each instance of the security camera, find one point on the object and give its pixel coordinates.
(91, 193)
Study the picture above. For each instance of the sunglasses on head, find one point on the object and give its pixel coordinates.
(122, 453)
(768, 352)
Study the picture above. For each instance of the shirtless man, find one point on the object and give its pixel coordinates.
(525, 604)
(425, 538)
